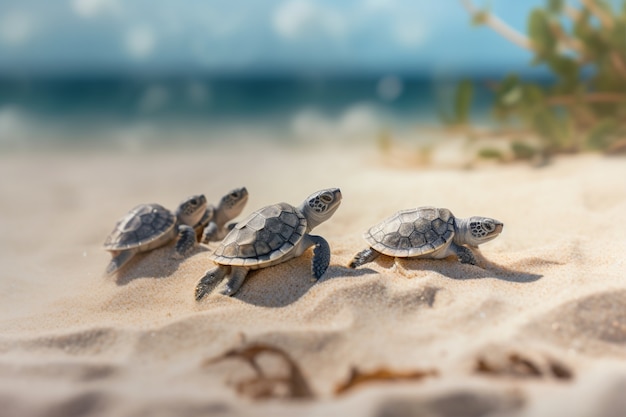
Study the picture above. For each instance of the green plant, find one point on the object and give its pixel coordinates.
(490, 153)
(583, 107)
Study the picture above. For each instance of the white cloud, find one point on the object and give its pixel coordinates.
(296, 18)
(140, 42)
(410, 33)
(16, 28)
(92, 8)
(408, 23)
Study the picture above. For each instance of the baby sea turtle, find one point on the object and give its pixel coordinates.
(213, 225)
(149, 226)
(269, 236)
(427, 232)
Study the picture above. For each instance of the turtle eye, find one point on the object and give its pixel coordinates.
(488, 226)
(326, 198)
(193, 202)
(234, 194)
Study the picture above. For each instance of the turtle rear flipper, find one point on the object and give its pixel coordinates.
(364, 257)
(237, 276)
(209, 279)
(119, 260)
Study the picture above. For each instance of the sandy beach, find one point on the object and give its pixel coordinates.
(537, 329)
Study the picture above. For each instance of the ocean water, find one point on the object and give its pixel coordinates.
(127, 111)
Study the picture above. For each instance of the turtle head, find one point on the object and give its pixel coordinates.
(191, 210)
(477, 230)
(320, 206)
(232, 204)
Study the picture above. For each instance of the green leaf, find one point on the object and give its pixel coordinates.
(509, 91)
(555, 6)
(618, 36)
(490, 153)
(605, 7)
(592, 36)
(541, 37)
(512, 96)
(574, 110)
(463, 101)
(534, 96)
(567, 69)
(522, 150)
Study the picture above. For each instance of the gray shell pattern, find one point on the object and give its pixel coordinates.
(262, 238)
(142, 225)
(412, 232)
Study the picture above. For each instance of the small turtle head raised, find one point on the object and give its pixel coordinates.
(191, 210)
(232, 204)
(320, 206)
(479, 230)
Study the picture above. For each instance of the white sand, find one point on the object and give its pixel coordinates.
(544, 318)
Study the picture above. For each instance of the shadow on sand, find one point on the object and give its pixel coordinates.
(159, 263)
(264, 288)
(451, 268)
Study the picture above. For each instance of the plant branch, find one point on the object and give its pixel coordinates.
(566, 41)
(499, 26)
(605, 18)
(572, 12)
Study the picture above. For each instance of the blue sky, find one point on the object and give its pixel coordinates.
(250, 36)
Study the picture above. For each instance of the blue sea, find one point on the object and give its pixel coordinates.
(160, 110)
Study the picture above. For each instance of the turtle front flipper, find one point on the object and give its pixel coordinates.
(210, 233)
(466, 256)
(120, 259)
(364, 257)
(186, 240)
(321, 255)
(210, 277)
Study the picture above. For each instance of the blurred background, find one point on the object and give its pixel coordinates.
(131, 74)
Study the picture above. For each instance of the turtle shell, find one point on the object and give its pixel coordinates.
(141, 226)
(412, 232)
(263, 238)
